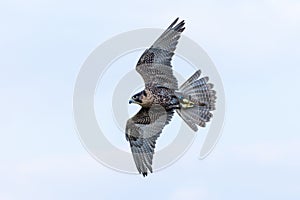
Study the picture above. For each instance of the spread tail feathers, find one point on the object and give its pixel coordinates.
(197, 99)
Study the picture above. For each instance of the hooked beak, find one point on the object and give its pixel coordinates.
(131, 101)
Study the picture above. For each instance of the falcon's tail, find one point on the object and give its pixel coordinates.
(197, 100)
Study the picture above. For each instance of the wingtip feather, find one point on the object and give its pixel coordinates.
(173, 23)
(179, 27)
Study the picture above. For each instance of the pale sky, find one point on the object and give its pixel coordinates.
(255, 47)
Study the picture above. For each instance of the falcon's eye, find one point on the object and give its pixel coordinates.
(144, 93)
(134, 97)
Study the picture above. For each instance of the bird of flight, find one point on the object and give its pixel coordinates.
(193, 100)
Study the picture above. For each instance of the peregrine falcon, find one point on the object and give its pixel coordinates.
(193, 100)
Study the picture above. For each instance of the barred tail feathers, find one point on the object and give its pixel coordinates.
(197, 100)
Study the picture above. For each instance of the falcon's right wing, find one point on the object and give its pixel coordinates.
(142, 131)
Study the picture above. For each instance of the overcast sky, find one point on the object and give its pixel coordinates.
(255, 47)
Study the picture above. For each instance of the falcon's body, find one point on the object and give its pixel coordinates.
(193, 100)
(158, 95)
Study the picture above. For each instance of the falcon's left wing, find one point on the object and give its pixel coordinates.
(155, 63)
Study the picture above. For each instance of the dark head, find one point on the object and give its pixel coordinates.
(139, 98)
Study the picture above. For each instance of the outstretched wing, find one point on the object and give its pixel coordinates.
(142, 131)
(155, 63)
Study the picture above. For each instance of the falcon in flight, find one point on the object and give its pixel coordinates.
(193, 100)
